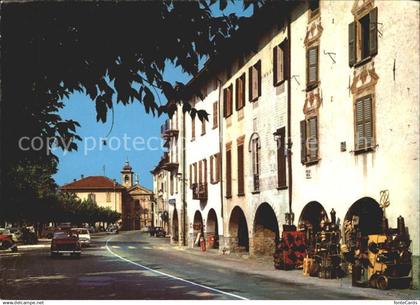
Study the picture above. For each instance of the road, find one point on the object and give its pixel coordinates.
(134, 266)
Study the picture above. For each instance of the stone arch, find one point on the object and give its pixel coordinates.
(175, 226)
(212, 228)
(310, 218)
(266, 230)
(198, 228)
(370, 216)
(238, 231)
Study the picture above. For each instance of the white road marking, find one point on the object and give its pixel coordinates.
(131, 247)
(171, 276)
(116, 247)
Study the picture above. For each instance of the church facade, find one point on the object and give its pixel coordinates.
(133, 201)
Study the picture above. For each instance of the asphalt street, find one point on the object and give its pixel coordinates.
(133, 265)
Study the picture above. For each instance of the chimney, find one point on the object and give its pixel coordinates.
(82, 176)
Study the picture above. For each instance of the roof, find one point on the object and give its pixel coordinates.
(127, 166)
(243, 40)
(92, 182)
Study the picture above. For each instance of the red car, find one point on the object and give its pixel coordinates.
(6, 241)
(65, 242)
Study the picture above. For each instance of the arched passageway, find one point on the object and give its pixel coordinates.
(266, 230)
(175, 226)
(197, 227)
(212, 230)
(310, 219)
(238, 230)
(366, 215)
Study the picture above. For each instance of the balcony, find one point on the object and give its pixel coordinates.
(200, 191)
(169, 129)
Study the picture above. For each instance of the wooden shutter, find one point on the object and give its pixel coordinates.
(241, 184)
(281, 158)
(195, 172)
(203, 126)
(218, 164)
(225, 102)
(193, 128)
(312, 65)
(211, 169)
(205, 170)
(191, 176)
(303, 142)
(228, 174)
(238, 93)
(215, 115)
(312, 135)
(359, 124)
(352, 44)
(200, 172)
(259, 78)
(373, 32)
(368, 121)
(278, 56)
(285, 48)
(275, 65)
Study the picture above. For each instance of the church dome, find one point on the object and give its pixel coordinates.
(127, 166)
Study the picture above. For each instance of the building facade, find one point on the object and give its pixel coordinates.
(318, 107)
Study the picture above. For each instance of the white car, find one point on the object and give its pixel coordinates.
(84, 235)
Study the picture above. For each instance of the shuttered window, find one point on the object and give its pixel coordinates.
(280, 61)
(364, 123)
(171, 186)
(241, 178)
(191, 175)
(200, 172)
(240, 92)
(363, 37)
(303, 142)
(217, 164)
(195, 173)
(309, 140)
(255, 81)
(227, 101)
(228, 173)
(312, 66)
(215, 115)
(205, 170)
(212, 169)
(281, 157)
(193, 128)
(255, 156)
(203, 126)
(312, 139)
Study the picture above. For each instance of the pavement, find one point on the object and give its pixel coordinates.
(132, 265)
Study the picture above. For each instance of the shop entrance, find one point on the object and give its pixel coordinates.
(266, 230)
(212, 230)
(238, 230)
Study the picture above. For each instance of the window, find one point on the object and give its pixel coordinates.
(281, 157)
(227, 101)
(255, 81)
(203, 126)
(363, 37)
(215, 115)
(192, 128)
(215, 168)
(191, 175)
(195, 172)
(171, 186)
(364, 138)
(92, 197)
(205, 171)
(200, 172)
(228, 172)
(240, 92)
(108, 197)
(280, 63)
(255, 147)
(309, 140)
(241, 178)
(312, 67)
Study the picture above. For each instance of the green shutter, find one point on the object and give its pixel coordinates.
(352, 44)
(368, 121)
(303, 142)
(373, 32)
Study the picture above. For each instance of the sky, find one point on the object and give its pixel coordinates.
(135, 135)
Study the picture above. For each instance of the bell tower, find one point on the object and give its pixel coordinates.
(127, 175)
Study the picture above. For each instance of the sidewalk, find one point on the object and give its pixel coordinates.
(263, 266)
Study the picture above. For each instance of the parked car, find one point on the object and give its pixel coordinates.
(16, 234)
(84, 235)
(159, 232)
(65, 242)
(112, 229)
(28, 237)
(6, 241)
